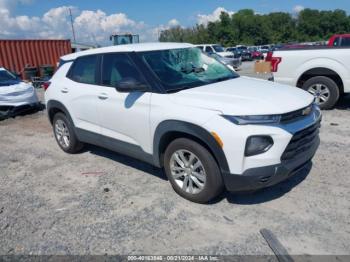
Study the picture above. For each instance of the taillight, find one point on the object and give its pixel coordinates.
(275, 61)
(45, 85)
(268, 56)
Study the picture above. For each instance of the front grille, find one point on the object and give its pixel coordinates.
(295, 115)
(301, 141)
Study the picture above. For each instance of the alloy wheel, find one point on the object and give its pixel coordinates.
(320, 92)
(62, 133)
(187, 171)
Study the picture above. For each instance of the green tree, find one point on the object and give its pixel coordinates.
(247, 27)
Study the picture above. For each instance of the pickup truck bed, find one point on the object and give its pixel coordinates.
(322, 71)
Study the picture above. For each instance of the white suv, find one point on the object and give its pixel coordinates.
(216, 49)
(172, 106)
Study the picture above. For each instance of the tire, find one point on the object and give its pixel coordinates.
(213, 183)
(64, 134)
(324, 89)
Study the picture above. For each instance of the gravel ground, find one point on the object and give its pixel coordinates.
(99, 202)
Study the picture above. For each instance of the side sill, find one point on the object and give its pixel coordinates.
(114, 145)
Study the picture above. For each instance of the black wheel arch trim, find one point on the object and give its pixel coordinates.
(169, 126)
(54, 104)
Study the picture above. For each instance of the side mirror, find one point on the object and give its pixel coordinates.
(130, 85)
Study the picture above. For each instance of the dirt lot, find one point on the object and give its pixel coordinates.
(99, 202)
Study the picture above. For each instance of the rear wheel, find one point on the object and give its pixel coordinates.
(192, 171)
(65, 135)
(324, 89)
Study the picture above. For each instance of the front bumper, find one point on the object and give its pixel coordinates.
(11, 111)
(261, 177)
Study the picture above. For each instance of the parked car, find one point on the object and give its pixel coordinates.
(255, 54)
(339, 40)
(244, 52)
(215, 49)
(265, 49)
(232, 63)
(323, 72)
(16, 96)
(174, 107)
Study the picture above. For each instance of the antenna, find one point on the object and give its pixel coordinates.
(71, 21)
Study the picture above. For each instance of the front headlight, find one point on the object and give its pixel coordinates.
(259, 119)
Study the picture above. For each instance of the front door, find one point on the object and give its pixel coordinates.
(123, 116)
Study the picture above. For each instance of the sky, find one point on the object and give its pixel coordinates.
(95, 20)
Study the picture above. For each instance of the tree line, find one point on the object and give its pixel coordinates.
(249, 28)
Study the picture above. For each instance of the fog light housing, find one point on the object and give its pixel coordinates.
(256, 145)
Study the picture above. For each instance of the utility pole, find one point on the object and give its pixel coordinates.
(71, 21)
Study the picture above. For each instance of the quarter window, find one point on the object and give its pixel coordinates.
(117, 68)
(84, 70)
(336, 41)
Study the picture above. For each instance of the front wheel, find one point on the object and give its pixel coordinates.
(192, 171)
(324, 89)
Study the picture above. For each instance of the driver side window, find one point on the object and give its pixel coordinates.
(208, 49)
(117, 68)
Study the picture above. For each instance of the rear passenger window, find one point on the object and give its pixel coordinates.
(345, 41)
(117, 68)
(84, 70)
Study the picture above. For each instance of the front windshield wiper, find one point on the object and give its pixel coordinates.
(220, 79)
(192, 70)
(178, 89)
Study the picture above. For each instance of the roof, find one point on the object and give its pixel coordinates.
(207, 44)
(128, 48)
(82, 45)
(343, 35)
(2, 69)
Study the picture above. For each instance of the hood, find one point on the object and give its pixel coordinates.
(245, 96)
(13, 92)
(224, 54)
(9, 82)
(229, 59)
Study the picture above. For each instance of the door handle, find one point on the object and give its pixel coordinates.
(103, 96)
(64, 90)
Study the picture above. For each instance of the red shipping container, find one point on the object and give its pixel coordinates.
(15, 55)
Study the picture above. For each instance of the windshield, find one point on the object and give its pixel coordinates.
(185, 68)
(218, 48)
(6, 76)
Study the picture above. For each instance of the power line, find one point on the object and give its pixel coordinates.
(71, 21)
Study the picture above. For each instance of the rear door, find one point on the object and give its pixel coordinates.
(80, 93)
(123, 116)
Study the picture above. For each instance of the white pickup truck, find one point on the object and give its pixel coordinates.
(324, 72)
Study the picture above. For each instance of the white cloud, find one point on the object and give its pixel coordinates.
(90, 26)
(205, 19)
(298, 8)
(173, 23)
(155, 32)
